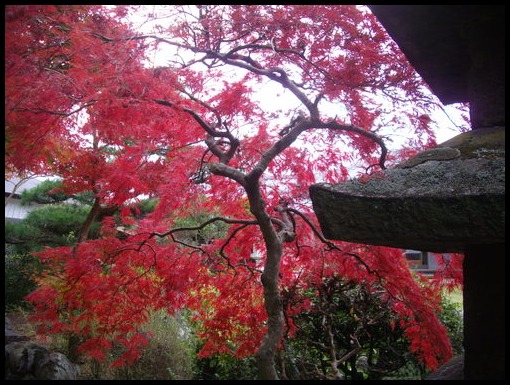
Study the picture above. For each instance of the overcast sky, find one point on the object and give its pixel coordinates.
(448, 119)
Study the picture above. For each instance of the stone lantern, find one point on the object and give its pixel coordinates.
(450, 198)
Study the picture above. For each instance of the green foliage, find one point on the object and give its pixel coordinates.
(50, 191)
(51, 225)
(19, 237)
(170, 354)
(409, 371)
(18, 281)
(226, 367)
(85, 198)
(342, 310)
(345, 307)
(147, 206)
(451, 317)
(217, 229)
(58, 219)
(342, 315)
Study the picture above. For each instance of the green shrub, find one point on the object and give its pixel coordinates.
(342, 309)
(452, 318)
(170, 354)
(19, 269)
(147, 206)
(51, 191)
(20, 238)
(225, 367)
(57, 223)
(52, 225)
(48, 191)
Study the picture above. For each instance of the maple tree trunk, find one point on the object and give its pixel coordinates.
(85, 229)
(274, 250)
(267, 350)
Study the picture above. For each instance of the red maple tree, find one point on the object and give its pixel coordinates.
(82, 104)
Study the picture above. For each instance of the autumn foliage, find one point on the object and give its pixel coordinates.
(82, 103)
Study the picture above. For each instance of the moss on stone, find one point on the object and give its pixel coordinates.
(472, 163)
(434, 178)
(441, 200)
(483, 142)
(436, 153)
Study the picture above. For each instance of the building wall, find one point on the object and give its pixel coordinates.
(15, 211)
(424, 261)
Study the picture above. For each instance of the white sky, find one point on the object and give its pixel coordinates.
(448, 120)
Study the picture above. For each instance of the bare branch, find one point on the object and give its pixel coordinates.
(61, 113)
(233, 142)
(227, 241)
(204, 224)
(273, 73)
(333, 125)
(222, 169)
(287, 231)
(330, 244)
(278, 147)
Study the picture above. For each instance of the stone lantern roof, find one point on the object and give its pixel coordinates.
(442, 200)
(459, 50)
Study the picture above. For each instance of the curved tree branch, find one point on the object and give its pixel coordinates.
(214, 146)
(204, 224)
(333, 125)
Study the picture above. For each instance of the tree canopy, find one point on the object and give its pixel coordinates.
(200, 136)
